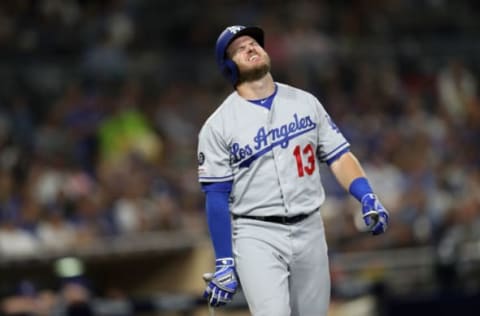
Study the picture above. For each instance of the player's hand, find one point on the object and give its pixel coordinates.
(375, 215)
(222, 284)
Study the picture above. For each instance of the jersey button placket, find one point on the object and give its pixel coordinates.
(278, 159)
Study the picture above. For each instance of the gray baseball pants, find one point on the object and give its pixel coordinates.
(283, 269)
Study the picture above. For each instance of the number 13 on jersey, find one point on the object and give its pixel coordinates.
(305, 158)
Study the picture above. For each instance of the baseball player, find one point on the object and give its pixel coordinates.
(258, 164)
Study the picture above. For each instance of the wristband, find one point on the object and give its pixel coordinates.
(359, 188)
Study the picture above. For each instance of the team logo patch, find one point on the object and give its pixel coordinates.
(201, 159)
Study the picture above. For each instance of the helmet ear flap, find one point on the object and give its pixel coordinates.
(230, 70)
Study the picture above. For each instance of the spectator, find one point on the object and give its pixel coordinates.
(457, 88)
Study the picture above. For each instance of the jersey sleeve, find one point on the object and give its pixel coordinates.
(213, 156)
(331, 142)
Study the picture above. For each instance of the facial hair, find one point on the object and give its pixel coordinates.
(254, 74)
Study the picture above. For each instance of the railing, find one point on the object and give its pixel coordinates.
(402, 271)
(119, 246)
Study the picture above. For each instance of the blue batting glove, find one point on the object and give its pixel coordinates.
(222, 284)
(375, 215)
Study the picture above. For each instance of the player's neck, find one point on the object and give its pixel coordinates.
(258, 89)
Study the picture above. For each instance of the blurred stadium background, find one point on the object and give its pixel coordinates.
(100, 105)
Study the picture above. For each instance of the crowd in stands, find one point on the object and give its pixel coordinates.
(101, 103)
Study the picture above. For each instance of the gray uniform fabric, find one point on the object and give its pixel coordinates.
(283, 269)
(273, 156)
(255, 147)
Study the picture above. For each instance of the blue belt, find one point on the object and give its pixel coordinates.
(286, 220)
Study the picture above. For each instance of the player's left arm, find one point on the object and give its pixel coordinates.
(351, 176)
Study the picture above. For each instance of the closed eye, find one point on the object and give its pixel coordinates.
(243, 47)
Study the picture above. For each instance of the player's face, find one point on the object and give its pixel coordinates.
(251, 59)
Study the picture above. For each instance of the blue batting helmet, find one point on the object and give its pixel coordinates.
(227, 66)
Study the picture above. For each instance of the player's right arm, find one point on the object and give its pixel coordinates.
(223, 282)
(218, 217)
(216, 178)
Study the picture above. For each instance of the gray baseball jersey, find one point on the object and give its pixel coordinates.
(272, 156)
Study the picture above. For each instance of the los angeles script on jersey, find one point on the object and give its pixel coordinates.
(264, 141)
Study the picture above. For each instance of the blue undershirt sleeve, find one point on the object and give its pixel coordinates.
(218, 217)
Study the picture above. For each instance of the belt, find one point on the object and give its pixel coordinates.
(286, 220)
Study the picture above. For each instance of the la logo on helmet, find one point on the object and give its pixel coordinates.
(235, 29)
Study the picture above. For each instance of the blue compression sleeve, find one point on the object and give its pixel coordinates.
(359, 187)
(218, 217)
